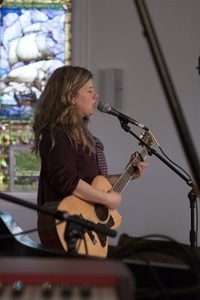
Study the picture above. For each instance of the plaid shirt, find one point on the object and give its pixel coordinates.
(99, 152)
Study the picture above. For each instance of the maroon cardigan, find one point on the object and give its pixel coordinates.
(61, 168)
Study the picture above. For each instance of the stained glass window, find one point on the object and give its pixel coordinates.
(35, 39)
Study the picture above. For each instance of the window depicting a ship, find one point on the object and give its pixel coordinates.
(35, 40)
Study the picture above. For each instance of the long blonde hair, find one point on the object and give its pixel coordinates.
(56, 110)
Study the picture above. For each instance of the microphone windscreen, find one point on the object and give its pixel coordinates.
(103, 107)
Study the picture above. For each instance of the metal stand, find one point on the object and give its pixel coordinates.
(193, 200)
(192, 196)
(73, 233)
(174, 105)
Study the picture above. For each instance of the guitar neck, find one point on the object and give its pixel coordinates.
(126, 176)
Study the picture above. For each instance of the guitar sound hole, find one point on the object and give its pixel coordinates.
(101, 212)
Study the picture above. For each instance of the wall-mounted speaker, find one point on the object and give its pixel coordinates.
(111, 87)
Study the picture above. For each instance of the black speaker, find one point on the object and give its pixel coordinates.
(159, 281)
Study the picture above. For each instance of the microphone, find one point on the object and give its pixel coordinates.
(106, 108)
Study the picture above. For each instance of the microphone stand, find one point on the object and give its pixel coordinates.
(76, 226)
(173, 104)
(191, 195)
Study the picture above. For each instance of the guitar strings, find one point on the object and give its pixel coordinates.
(120, 185)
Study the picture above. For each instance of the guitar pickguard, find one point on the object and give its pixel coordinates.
(102, 237)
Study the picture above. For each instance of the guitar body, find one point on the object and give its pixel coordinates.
(92, 243)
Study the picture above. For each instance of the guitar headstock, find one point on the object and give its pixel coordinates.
(147, 141)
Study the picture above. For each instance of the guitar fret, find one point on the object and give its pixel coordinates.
(124, 182)
(127, 175)
(124, 179)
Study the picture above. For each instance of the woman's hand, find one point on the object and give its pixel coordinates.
(139, 169)
(110, 199)
(113, 199)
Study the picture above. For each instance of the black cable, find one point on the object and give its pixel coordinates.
(175, 164)
(134, 246)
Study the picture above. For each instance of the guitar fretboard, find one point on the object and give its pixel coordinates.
(126, 176)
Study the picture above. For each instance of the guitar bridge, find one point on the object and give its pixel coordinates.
(102, 237)
(89, 232)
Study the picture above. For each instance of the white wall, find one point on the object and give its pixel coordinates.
(158, 202)
(108, 34)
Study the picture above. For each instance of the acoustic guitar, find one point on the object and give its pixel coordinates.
(94, 243)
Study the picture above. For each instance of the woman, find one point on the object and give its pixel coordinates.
(70, 156)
